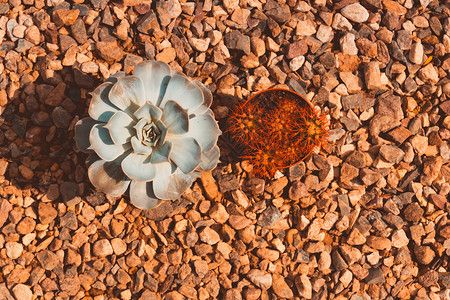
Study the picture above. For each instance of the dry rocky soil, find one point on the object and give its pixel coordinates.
(365, 218)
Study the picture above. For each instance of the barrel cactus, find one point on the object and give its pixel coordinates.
(152, 131)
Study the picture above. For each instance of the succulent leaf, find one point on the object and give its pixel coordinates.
(108, 177)
(103, 145)
(181, 90)
(140, 148)
(120, 127)
(82, 130)
(101, 108)
(209, 159)
(138, 167)
(204, 130)
(170, 184)
(128, 94)
(148, 110)
(156, 75)
(161, 153)
(142, 196)
(186, 153)
(175, 118)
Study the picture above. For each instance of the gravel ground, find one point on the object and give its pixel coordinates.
(366, 218)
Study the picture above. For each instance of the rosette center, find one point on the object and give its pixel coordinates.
(147, 132)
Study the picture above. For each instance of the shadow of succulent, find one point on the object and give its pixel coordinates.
(152, 131)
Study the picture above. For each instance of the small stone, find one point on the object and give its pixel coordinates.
(219, 213)
(355, 12)
(298, 190)
(416, 53)
(357, 101)
(445, 106)
(25, 226)
(296, 63)
(269, 216)
(239, 222)
(69, 220)
(324, 33)
(306, 28)
(26, 172)
(238, 41)
(19, 31)
(240, 16)
(419, 143)
(172, 295)
(109, 51)
(79, 31)
(22, 292)
(268, 254)
(379, 243)
(276, 187)
(347, 43)
(399, 239)
(392, 153)
(13, 250)
(89, 67)
(258, 46)
(369, 176)
(228, 182)
(209, 236)
(381, 123)
(102, 248)
(48, 259)
(429, 74)
(281, 288)
(353, 83)
(355, 238)
(298, 48)
(395, 7)
(188, 292)
(324, 262)
(252, 293)
(260, 278)
(424, 254)
(63, 16)
(167, 10)
(201, 268)
(375, 276)
(428, 279)
(250, 61)
(119, 246)
(413, 212)
(367, 47)
(56, 96)
(341, 23)
(199, 44)
(231, 5)
(279, 12)
(372, 75)
(348, 172)
(438, 200)
(445, 232)
(5, 208)
(304, 286)
(46, 213)
(351, 254)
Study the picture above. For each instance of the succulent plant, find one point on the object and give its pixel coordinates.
(152, 131)
(276, 129)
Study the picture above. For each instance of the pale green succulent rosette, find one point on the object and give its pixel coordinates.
(152, 131)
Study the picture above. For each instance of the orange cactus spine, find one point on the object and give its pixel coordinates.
(244, 123)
